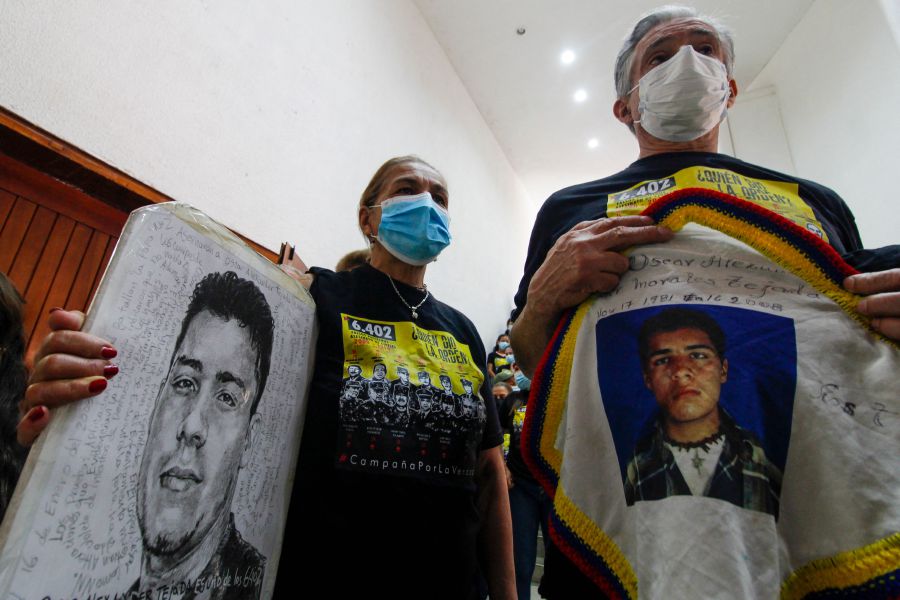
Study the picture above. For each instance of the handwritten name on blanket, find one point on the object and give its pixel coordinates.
(750, 286)
(833, 396)
(728, 281)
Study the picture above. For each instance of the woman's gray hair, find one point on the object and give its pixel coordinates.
(657, 16)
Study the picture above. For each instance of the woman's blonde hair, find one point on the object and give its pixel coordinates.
(372, 190)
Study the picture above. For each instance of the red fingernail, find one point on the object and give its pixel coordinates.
(54, 309)
(97, 386)
(110, 371)
(37, 413)
(108, 352)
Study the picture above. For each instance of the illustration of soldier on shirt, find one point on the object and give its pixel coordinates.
(350, 393)
(379, 397)
(401, 395)
(390, 424)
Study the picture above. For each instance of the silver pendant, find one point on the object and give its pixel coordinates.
(415, 315)
(697, 461)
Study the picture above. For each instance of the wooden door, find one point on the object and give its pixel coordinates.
(55, 242)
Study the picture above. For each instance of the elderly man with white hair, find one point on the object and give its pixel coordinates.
(674, 85)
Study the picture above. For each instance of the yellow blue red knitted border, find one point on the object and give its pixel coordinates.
(785, 243)
(595, 553)
(537, 444)
(573, 532)
(869, 573)
(797, 250)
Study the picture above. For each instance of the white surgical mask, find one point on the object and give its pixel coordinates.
(683, 98)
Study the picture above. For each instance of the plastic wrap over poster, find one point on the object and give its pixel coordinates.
(174, 482)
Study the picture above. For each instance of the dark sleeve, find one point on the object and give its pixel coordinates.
(505, 415)
(839, 215)
(538, 246)
(835, 216)
(875, 259)
(493, 434)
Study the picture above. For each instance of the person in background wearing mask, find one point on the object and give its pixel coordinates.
(496, 360)
(522, 381)
(674, 85)
(355, 515)
(500, 391)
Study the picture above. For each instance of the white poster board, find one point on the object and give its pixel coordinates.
(200, 509)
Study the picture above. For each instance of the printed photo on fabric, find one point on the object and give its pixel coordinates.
(699, 400)
(409, 401)
(743, 404)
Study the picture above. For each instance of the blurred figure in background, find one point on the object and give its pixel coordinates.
(351, 260)
(496, 360)
(529, 505)
(13, 378)
(505, 377)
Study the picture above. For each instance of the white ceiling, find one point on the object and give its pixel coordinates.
(525, 93)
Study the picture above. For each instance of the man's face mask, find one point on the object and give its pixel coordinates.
(414, 228)
(683, 98)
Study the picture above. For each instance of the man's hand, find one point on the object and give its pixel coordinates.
(69, 366)
(883, 301)
(584, 261)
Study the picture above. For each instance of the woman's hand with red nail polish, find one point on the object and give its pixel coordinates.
(70, 365)
(31, 425)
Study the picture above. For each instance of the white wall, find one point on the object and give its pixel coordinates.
(837, 83)
(271, 116)
(756, 131)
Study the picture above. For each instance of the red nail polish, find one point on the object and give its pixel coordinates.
(108, 352)
(37, 413)
(54, 309)
(97, 386)
(110, 371)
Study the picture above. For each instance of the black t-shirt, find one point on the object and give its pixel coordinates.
(512, 417)
(659, 174)
(499, 361)
(384, 497)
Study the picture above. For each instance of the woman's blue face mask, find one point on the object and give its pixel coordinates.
(414, 229)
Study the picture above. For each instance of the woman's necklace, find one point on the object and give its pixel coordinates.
(424, 287)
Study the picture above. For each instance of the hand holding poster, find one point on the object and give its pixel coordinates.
(175, 480)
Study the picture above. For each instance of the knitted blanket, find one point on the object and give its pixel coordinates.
(723, 424)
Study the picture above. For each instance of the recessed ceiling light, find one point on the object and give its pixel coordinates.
(593, 143)
(567, 57)
(580, 96)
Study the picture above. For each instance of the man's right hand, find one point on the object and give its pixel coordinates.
(585, 260)
(69, 366)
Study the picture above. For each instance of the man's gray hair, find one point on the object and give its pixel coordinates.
(657, 16)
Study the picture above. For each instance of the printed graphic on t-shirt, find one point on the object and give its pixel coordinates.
(778, 196)
(518, 420)
(409, 401)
